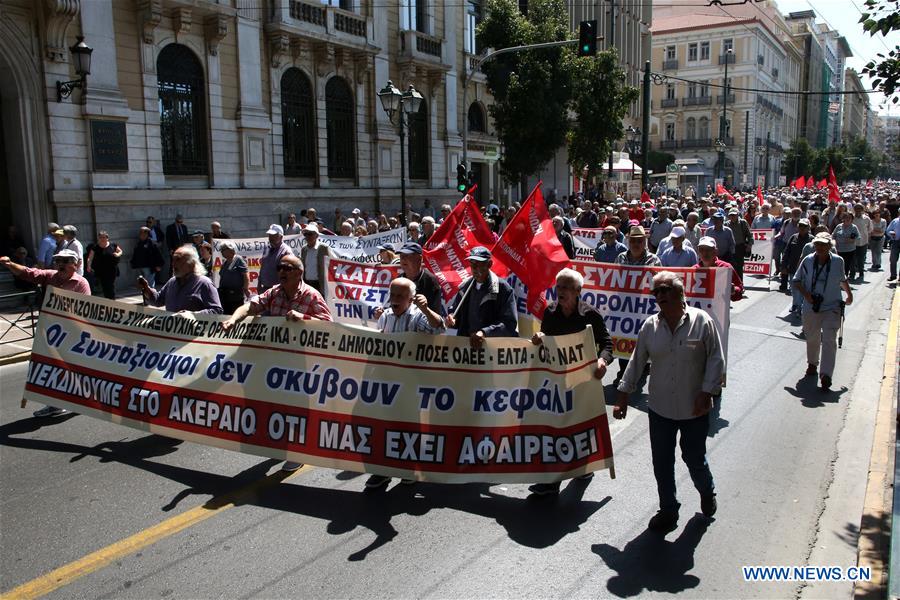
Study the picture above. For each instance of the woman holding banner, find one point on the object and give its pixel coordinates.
(234, 278)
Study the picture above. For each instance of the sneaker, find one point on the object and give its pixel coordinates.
(664, 521)
(708, 505)
(586, 476)
(544, 489)
(291, 466)
(811, 371)
(377, 481)
(826, 383)
(50, 411)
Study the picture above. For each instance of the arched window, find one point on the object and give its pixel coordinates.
(182, 111)
(691, 128)
(476, 118)
(703, 130)
(340, 115)
(418, 143)
(298, 125)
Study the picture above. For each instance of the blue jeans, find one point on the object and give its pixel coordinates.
(693, 451)
(875, 248)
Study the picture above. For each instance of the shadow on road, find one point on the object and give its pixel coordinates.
(531, 522)
(652, 563)
(811, 395)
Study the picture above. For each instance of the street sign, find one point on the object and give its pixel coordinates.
(782, 180)
(671, 180)
(634, 189)
(673, 168)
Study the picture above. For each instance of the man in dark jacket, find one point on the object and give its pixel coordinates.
(565, 239)
(485, 305)
(147, 257)
(790, 260)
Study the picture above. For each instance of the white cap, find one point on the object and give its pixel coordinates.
(678, 232)
(275, 229)
(707, 241)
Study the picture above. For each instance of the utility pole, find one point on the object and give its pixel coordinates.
(612, 40)
(645, 129)
(768, 137)
(722, 123)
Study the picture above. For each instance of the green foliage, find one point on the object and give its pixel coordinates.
(798, 160)
(883, 17)
(854, 160)
(537, 92)
(658, 161)
(600, 99)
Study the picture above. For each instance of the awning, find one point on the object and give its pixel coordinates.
(625, 165)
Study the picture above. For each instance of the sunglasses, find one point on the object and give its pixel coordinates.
(286, 267)
(62, 261)
(661, 290)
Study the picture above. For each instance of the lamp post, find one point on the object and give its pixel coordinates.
(682, 174)
(633, 134)
(722, 119)
(81, 57)
(401, 104)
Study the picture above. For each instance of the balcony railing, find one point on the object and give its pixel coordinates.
(669, 65)
(350, 24)
(760, 59)
(313, 21)
(697, 101)
(308, 13)
(697, 143)
(668, 144)
(770, 105)
(727, 58)
(668, 102)
(720, 99)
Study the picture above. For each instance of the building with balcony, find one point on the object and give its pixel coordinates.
(856, 109)
(691, 52)
(240, 111)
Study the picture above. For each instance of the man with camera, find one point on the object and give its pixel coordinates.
(819, 279)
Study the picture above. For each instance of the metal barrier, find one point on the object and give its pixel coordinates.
(23, 321)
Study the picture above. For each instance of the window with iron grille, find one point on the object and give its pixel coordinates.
(670, 91)
(692, 52)
(418, 142)
(703, 128)
(182, 111)
(670, 52)
(340, 114)
(298, 125)
(704, 50)
(476, 118)
(670, 132)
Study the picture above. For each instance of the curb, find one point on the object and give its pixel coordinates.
(874, 543)
(15, 358)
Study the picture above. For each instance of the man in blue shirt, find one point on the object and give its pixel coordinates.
(723, 236)
(609, 247)
(47, 247)
(819, 279)
(677, 254)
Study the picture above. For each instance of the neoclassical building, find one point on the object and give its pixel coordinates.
(236, 110)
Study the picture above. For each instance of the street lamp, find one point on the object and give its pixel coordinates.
(682, 175)
(722, 119)
(81, 57)
(719, 146)
(402, 104)
(633, 134)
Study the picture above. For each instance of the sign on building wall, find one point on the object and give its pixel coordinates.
(109, 146)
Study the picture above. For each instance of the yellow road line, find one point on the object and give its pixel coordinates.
(97, 560)
(879, 495)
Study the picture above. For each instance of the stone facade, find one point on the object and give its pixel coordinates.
(60, 156)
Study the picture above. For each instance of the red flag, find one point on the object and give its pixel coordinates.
(446, 250)
(822, 184)
(800, 183)
(868, 183)
(833, 193)
(645, 197)
(831, 178)
(721, 191)
(759, 195)
(810, 183)
(530, 249)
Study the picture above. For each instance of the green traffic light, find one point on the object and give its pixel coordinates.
(585, 48)
(460, 188)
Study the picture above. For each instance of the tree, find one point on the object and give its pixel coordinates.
(862, 161)
(531, 89)
(798, 160)
(881, 18)
(834, 157)
(658, 161)
(600, 100)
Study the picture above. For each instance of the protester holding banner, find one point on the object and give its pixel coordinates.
(571, 314)
(688, 369)
(313, 257)
(820, 279)
(234, 278)
(637, 253)
(271, 258)
(426, 283)
(64, 276)
(189, 290)
(706, 248)
(485, 305)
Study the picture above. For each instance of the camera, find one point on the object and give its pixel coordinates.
(817, 302)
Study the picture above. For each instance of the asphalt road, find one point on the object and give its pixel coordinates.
(789, 461)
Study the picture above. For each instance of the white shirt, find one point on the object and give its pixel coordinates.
(864, 224)
(411, 320)
(685, 361)
(311, 266)
(77, 247)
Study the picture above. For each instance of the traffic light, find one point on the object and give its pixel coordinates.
(587, 38)
(461, 178)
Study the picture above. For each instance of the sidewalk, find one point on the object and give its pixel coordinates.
(16, 329)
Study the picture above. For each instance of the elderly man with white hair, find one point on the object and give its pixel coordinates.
(428, 227)
(571, 314)
(234, 278)
(189, 290)
(683, 344)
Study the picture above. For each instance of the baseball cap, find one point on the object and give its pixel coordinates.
(719, 214)
(275, 229)
(410, 248)
(355, 211)
(311, 228)
(382, 247)
(678, 232)
(707, 241)
(480, 254)
(59, 232)
(734, 212)
(803, 222)
(70, 229)
(822, 238)
(67, 254)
